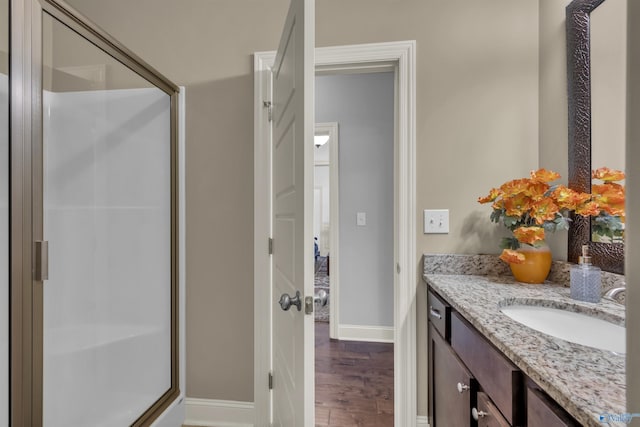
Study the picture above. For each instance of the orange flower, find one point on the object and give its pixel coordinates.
(543, 175)
(606, 174)
(493, 194)
(568, 198)
(529, 235)
(610, 197)
(515, 186)
(512, 257)
(536, 190)
(517, 205)
(588, 209)
(544, 210)
(498, 204)
(609, 192)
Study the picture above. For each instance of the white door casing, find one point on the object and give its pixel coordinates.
(292, 219)
(374, 57)
(331, 129)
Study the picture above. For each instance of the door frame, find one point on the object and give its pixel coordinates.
(331, 129)
(375, 57)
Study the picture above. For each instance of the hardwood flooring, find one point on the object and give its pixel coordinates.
(354, 382)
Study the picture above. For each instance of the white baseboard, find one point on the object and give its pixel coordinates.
(365, 333)
(218, 413)
(422, 421)
(173, 416)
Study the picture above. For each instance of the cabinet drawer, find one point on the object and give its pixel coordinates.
(439, 313)
(487, 414)
(543, 412)
(453, 386)
(498, 377)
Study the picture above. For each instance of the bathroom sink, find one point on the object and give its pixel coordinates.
(570, 326)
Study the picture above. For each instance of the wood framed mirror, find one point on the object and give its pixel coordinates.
(608, 256)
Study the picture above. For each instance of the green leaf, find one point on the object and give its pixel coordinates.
(509, 243)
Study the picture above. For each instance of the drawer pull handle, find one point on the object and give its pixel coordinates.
(435, 313)
(478, 414)
(462, 388)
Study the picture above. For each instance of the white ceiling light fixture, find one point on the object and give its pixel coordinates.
(320, 140)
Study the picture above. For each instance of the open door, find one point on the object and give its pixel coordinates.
(292, 216)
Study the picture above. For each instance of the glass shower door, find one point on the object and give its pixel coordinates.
(107, 217)
(4, 212)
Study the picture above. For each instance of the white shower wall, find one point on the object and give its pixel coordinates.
(107, 218)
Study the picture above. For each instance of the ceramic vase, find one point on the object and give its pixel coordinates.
(536, 266)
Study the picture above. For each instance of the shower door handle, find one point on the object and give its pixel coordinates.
(41, 267)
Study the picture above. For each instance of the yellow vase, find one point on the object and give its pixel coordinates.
(536, 266)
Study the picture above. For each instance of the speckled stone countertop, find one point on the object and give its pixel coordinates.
(587, 382)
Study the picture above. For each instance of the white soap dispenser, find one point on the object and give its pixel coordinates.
(585, 279)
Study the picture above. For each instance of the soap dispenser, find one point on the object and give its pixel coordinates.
(585, 279)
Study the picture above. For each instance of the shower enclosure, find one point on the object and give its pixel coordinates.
(93, 210)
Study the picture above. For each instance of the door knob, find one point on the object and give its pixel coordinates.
(287, 301)
(478, 414)
(321, 297)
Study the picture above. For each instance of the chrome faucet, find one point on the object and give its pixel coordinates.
(612, 293)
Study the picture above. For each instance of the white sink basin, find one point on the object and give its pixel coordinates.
(569, 326)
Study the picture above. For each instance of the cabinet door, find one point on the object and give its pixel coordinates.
(452, 384)
(487, 414)
(543, 412)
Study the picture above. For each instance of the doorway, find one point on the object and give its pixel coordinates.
(398, 57)
(354, 370)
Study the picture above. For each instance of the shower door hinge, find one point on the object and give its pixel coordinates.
(41, 261)
(270, 380)
(270, 246)
(269, 106)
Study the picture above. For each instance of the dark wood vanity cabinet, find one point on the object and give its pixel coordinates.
(486, 413)
(471, 383)
(455, 386)
(499, 378)
(544, 412)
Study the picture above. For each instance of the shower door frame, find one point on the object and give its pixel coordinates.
(26, 210)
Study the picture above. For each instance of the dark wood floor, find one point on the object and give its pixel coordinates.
(354, 382)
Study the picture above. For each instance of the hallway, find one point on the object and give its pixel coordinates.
(354, 382)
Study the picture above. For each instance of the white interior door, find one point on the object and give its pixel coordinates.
(292, 216)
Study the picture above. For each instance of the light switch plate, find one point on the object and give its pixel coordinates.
(436, 221)
(361, 218)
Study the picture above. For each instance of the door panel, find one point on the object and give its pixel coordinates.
(292, 216)
(107, 215)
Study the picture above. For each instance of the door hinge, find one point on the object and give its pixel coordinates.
(41, 270)
(269, 106)
(270, 246)
(270, 380)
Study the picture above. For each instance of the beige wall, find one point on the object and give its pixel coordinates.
(4, 36)
(553, 125)
(633, 217)
(477, 126)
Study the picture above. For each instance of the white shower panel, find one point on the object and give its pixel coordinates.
(107, 217)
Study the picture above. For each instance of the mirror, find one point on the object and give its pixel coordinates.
(608, 97)
(596, 81)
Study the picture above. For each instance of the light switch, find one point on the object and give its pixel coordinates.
(436, 221)
(361, 218)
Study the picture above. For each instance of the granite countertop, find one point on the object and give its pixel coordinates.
(587, 382)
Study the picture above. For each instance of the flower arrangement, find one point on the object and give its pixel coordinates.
(608, 224)
(530, 207)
